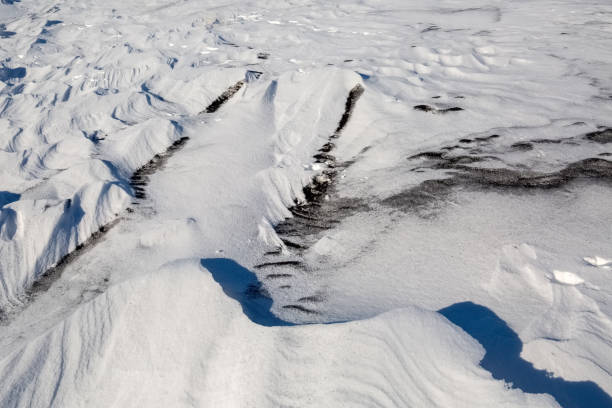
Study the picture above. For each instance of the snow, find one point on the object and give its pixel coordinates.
(567, 278)
(597, 261)
(173, 338)
(469, 202)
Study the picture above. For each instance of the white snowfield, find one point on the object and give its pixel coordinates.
(154, 341)
(465, 260)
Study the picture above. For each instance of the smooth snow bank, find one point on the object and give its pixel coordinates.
(173, 338)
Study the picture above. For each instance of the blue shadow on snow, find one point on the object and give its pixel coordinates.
(242, 285)
(4, 33)
(6, 74)
(502, 358)
(6, 197)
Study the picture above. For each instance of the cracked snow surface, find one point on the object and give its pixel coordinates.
(305, 203)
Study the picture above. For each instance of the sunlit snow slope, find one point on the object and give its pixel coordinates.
(299, 203)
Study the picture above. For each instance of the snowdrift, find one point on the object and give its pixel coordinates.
(173, 338)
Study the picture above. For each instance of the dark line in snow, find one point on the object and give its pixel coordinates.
(138, 182)
(318, 212)
(224, 97)
(301, 309)
(52, 274)
(279, 263)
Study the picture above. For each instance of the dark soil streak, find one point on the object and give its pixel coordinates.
(427, 108)
(301, 309)
(52, 274)
(291, 244)
(312, 299)
(138, 182)
(278, 275)
(224, 97)
(349, 106)
(431, 194)
(319, 212)
(140, 178)
(601, 136)
(279, 263)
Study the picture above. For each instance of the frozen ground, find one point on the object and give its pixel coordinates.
(299, 203)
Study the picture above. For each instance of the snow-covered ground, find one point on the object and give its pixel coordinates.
(305, 203)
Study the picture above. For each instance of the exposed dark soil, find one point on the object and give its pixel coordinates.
(464, 170)
(138, 181)
(601, 136)
(301, 309)
(321, 210)
(45, 281)
(140, 178)
(224, 97)
(432, 109)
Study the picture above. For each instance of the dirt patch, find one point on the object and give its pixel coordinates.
(601, 136)
(481, 166)
(224, 97)
(432, 109)
(52, 274)
(140, 178)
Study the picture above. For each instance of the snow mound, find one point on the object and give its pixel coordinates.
(83, 106)
(567, 278)
(566, 331)
(597, 261)
(36, 232)
(199, 349)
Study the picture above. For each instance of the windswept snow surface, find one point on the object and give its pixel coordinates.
(155, 341)
(200, 207)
